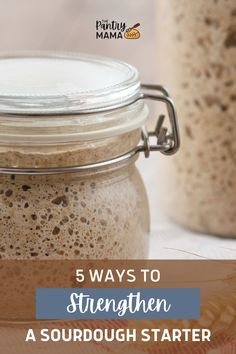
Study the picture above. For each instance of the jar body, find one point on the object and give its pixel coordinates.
(198, 58)
(96, 215)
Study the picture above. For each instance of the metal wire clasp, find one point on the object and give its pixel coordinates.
(167, 141)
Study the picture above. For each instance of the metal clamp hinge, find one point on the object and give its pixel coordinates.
(167, 140)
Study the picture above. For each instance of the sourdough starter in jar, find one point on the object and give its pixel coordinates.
(197, 57)
(74, 217)
(56, 112)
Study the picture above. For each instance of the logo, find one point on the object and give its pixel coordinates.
(132, 32)
(106, 29)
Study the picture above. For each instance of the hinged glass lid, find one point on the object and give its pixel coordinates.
(44, 84)
(73, 102)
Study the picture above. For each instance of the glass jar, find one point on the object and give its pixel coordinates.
(71, 128)
(197, 49)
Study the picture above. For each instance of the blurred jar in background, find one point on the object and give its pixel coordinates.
(197, 60)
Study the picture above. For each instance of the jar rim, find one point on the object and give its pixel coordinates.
(65, 129)
(47, 83)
